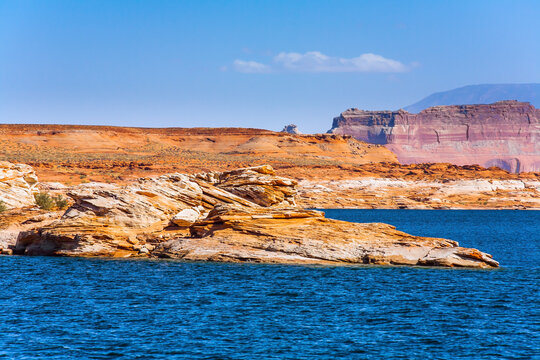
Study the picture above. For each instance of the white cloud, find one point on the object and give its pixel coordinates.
(314, 61)
(250, 67)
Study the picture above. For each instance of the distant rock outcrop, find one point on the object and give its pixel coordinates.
(17, 184)
(480, 94)
(504, 134)
(291, 129)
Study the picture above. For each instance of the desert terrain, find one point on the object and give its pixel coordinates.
(333, 171)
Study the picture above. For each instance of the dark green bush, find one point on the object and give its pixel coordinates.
(60, 202)
(3, 206)
(44, 201)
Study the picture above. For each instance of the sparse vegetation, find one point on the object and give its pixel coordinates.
(44, 201)
(164, 151)
(60, 202)
(48, 202)
(3, 206)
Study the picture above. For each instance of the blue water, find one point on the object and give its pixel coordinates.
(60, 308)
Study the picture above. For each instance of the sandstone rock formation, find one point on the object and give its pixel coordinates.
(421, 186)
(300, 236)
(106, 218)
(15, 222)
(291, 129)
(259, 185)
(391, 193)
(243, 215)
(504, 134)
(17, 185)
(186, 217)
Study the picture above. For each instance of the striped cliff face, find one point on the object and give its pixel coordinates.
(504, 134)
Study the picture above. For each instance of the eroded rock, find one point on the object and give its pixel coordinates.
(186, 217)
(17, 185)
(241, 215)
(301, 236)
(259, 185)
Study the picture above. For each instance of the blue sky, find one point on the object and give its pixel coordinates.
(251, 63)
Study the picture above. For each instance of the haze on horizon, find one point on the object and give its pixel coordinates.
(259, 64)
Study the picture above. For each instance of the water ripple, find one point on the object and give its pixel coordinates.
(60, 308)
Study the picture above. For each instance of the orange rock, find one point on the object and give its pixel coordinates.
(251, 217)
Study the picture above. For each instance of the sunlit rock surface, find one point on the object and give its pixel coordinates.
(17, 185)
(245, 215)
(504, 134)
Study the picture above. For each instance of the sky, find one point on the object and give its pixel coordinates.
(262, 64)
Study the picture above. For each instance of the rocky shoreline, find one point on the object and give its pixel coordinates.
(398, 193)
(244, 215)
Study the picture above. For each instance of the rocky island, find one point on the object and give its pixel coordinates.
(243, 215)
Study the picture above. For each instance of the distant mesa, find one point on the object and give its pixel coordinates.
(291, 129)
(480, 94)
(504, 134)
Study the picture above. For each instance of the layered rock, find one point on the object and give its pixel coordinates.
(504, 134)
(392, 193)
(242, 215)
(300, 236)
(15, 222)
(17, 185)
(108, 219)
(259, 185)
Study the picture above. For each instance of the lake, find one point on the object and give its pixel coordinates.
(64, 308)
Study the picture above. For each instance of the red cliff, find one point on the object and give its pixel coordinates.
(504, 134)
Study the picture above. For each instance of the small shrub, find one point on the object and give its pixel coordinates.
(44, 201)
(3, 206)
(60, 202)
